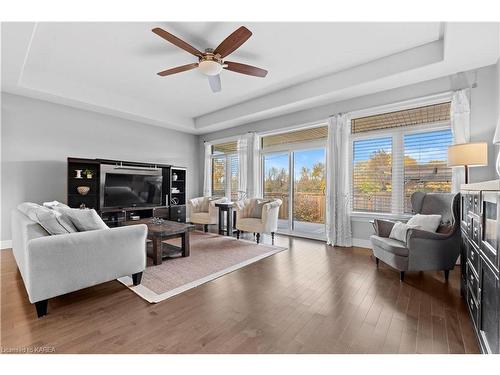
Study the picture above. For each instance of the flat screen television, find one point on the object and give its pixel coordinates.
(131, 190)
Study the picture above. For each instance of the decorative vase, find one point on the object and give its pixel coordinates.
(89, 176)
(83, 190)
(78, 173)
(174, 177)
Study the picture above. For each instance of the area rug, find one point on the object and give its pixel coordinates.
(211, 256)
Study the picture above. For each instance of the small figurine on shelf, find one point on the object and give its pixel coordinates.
(89, 173)
(82, 206)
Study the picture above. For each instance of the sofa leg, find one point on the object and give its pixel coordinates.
(446, 274)
(237, 234)
(258, 237)
(377, 261)
(402, 276)
(41, 307)
(205, 228)
(136, 278)
(272, 238)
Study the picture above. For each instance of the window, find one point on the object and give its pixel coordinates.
(395, 154)
(425, 163)
(225, 168)
(372, 175)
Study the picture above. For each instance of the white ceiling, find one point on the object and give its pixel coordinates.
(111, 67)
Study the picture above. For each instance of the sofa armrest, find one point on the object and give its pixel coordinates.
(64, 263)
(383, 227)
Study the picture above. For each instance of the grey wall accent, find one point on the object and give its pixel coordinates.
(484, 113)
(38, 136)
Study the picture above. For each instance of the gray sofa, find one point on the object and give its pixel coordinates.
(423, 251)
(54, 265)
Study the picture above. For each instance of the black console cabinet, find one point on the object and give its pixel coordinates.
(173, 205)
(480, 286)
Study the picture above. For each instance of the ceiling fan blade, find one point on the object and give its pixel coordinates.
(214, 82)
(176, 41)
(245, 69)
(233, 41)
(178, 69)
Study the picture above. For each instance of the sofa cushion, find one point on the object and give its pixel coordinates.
(83, 219)
(429, 223)
(391, 245)
(52, 221)
(256, 211)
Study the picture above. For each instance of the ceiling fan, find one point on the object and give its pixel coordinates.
(211, 61)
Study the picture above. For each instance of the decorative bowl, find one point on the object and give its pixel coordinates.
(83, 190)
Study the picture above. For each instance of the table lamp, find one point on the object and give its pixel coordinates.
(496, 141)
(474, 154)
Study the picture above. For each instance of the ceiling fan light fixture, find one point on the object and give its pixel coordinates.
(210, 67)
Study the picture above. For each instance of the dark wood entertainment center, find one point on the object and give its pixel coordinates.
(480, 260)
(173, 197)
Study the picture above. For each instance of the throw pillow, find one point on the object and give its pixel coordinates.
(83, 220)
(52, 221)
(399, 230)
(429, 223)
(256, 211)
(204, 204)
(54, 204)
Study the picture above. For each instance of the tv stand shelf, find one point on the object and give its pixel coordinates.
(173, 190)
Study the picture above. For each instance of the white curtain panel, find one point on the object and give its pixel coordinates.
(338, 172)
(255, 177)
(207, 175)
(460, 128)
(243, 163)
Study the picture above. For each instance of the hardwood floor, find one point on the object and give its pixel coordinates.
(310, 299)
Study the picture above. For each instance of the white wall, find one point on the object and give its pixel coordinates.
(484, 110)
(38, 136)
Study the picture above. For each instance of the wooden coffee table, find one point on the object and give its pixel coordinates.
(166, 230)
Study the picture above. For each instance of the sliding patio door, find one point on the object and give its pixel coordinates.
(303, 196)
(277, 184)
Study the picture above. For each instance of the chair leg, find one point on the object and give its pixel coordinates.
(237, 234)
(377, 261)
(402, 276)
(258, 237)
(205, 228)
(41, 307)
(136, 278)
(446, 274)
(272, 238)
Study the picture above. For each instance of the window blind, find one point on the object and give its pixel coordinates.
(304, 135)
(372, 175)
(425, 163)
(225, 148)
(415, 116)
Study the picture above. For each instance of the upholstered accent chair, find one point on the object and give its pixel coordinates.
(202, 210)
(257, 215)
(423, 250)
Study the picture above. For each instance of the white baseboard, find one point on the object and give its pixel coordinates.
(5, 244)
(360, 242)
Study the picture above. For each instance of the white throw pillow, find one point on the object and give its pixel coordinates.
(429, 223)
(83, 219)
(54, 204)
(399, 230)
(52, 221)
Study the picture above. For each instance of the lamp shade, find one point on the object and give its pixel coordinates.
(496, 138)
(474, 154)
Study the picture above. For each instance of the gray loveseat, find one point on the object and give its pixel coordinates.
(423, 251)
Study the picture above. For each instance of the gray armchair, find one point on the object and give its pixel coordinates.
(423, 251)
